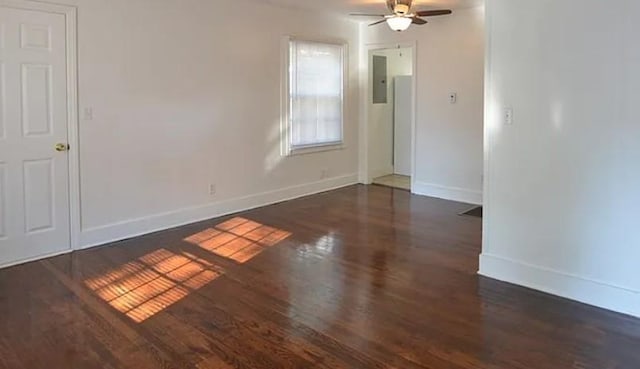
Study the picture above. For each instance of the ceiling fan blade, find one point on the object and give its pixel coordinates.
(419, 21)
(366, 15)
(378, 22)
(432, 13)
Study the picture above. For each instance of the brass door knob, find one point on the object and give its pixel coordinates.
(61, 147)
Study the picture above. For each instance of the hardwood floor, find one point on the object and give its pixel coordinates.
(362, 277)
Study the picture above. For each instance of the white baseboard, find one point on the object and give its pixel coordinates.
(136, 227)
(573, 287)
(447, 193)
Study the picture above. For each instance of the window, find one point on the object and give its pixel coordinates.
(315, 95)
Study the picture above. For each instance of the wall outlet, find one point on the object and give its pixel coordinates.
(88, 113)
(212, 189)
(324, 173)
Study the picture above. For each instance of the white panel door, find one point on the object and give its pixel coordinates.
(34, 188)
(402, 125)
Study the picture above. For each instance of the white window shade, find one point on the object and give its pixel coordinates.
(316, 85)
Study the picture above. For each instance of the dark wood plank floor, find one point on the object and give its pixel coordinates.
(362, 277)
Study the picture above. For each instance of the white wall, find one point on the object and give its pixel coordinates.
(562, 183)
(399, 63)
(185, 96)
(450, 58)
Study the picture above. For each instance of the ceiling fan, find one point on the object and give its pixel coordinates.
(402, 18)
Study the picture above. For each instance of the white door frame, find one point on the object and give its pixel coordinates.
(70, 14)
(365, 171)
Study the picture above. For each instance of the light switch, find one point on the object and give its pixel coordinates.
(508, 115)
(453, 98)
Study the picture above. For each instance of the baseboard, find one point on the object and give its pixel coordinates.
(136, 227)
(591, 292)
(447, 193)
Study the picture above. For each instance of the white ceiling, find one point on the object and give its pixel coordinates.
(376, 6)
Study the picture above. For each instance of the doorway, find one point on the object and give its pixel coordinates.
(390, 116)
(37, 118)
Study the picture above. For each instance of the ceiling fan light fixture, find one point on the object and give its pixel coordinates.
(398, 23)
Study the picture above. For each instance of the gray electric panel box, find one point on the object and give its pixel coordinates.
(380, 82)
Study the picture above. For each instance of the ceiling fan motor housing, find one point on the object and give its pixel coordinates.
(401, 9)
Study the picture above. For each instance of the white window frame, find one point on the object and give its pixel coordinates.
(286, 124)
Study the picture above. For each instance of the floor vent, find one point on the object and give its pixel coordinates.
(474, 212)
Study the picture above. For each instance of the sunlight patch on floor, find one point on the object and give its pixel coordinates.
(238, 239)
(144, 287)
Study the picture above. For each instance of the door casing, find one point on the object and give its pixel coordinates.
(365, 172)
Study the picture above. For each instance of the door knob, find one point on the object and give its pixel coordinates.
(62, 147)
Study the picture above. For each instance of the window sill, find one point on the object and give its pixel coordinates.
(316, 149)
